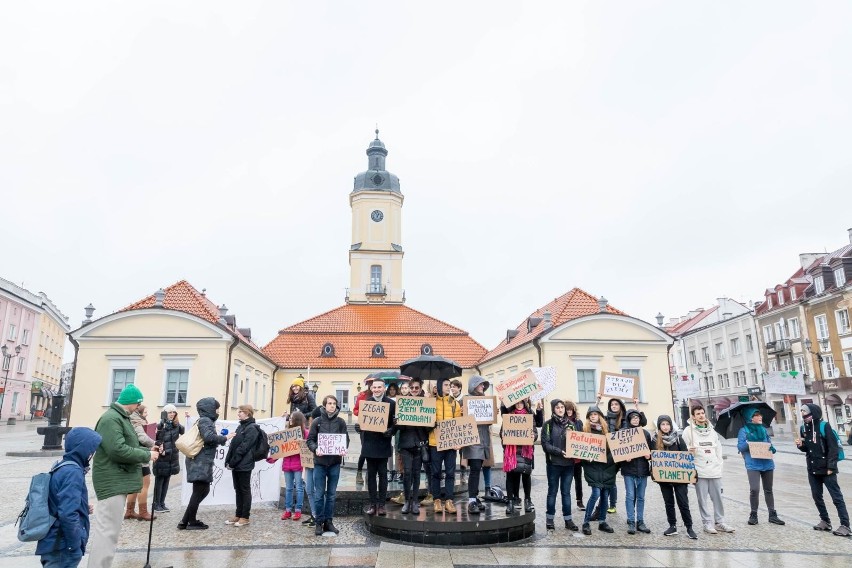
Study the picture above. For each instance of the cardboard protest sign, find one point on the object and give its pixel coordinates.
(686, 386)
(673, 467)
(627, 444)
(760, 450)
(482, 408)
(456, 433)
(518, 388)
(285, 442)
(586, 446)
(331, 444)
(374, 416)
(518, 430)
(546, 377)
(415, 411)
(784, 382)
(306, 455)
(619, 386)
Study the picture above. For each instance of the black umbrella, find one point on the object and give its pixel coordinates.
(431, 367)
(731, 419)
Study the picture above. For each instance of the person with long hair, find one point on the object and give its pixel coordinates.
(516, 458)
(291, 467)
(326, 468)
(760, 471)
(600, 476)
(168, 431)
(301, 399)
(560, 467)
(616, 419)
(139, 419)
(667, 439)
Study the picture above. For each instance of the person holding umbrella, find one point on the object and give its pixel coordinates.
(760, 471)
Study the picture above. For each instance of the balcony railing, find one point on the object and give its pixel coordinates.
(778, 346)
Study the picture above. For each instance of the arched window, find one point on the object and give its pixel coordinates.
(327, 350)
(425, 349)
(378, 350)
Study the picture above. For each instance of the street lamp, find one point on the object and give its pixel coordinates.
(823, 343)
(7, 362)
(706, 371)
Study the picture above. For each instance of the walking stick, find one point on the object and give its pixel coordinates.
(150, 533)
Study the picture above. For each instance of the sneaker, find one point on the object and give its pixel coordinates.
(605, 528)
(823, 526)
(775, 519)
(399, 499)
(691, 533)
(450, 507)
(642, 527)
(528, 506)
(580, 505)
(473, 509)
(309, 521)
(549, 525)
(164, 509)
(371, 510)
(569, 524)
(611, 510)
(158, 509)
(242, 523)
(284, 516)
(196, 526)
(510, 507)
(427, 501)
(328, 526)
(297, 515)
(631, 527)
(722, 527)
(439, 507)
(181, 526)
(709, 528)
(233, 520)
(587, 530)
(843, 530)
(359, 477)
(671, 531)
(752, 518)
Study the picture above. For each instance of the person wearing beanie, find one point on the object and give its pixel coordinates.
(822, 454)
(168, 431)
(760, 471)
(705, 444)
(667, 439)
(599, 476)
(616, 419)
(560, 467)
(635, 473)
(301, 399)
(115, 473)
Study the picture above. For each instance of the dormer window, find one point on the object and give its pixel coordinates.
(819, 285)
(780, 297)
(793, 294)
(425, 349)
(378, 350)
(327, 350)
(839, 277)
(769, 302)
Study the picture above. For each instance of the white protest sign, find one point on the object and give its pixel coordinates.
(784, 382)
(546, 377)
(331, 444)
(483, 408)
(265, 484)
(619, 386)
(686, 386)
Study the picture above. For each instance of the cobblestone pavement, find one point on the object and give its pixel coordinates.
(268, 541)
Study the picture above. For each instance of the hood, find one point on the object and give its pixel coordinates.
(474, 382)
(622, 408)
(633, 412)
(665, 418)
(207, 407)
(80, 443)
(816, 411)
(594, 408)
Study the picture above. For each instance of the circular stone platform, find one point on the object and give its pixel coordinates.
(492, 526)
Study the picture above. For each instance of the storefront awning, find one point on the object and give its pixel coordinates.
(833, 400)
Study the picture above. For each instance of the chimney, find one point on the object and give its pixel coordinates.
(223, 311)
(90, 309)
(674, 321)
(159, 296)
(602, 303)
(511, 334)
(548, 320)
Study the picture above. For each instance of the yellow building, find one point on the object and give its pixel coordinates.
(581, 336)
(52, 329)
(178, 347)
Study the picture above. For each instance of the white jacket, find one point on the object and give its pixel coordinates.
(708, 454)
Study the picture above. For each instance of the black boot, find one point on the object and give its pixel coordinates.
(774, 519)
(328, 526)
(510, 507)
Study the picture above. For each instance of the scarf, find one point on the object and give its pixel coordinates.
(331, 416)
(298, 398)
(510, 453)
(670, 439)
(561, 420)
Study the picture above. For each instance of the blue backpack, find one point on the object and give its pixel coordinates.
(841, 455)
(35, 520)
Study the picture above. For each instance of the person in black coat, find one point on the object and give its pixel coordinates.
(377, 447)
(635, 473)
(560, 468)
(168, 431)
(668, 439)
(301, 399)
(240, 460)
(616, 419)
(571, 413)
(199, 470)
(326, 468)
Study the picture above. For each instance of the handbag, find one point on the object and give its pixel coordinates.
(190, 444)
(524, 465)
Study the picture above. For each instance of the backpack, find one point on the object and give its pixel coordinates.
(190, 444)
(841, 455)
(261, 448)
(35, 520)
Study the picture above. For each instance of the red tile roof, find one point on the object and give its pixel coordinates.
(353, 330)
(684, 326)
(571, 305)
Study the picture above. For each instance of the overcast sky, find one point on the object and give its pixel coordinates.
(661, 154)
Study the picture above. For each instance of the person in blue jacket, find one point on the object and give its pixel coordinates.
(68, 501)
(758, 470)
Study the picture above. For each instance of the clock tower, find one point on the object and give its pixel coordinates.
(375, 256)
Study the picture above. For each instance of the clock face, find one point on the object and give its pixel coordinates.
(377, 215)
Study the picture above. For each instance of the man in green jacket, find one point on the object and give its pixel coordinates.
(116, 472)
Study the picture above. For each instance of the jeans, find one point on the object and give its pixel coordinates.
(613, 496)
(559, 478)
(325, 490)
(377, 467)
(62, 559)
(200, 490)
(242, 489)
(293, 480)
(308, 488)
(601, 493)
(410, 472)
(486, 476)
(161, 488)
(634, 497)
(445, 460)
(830, 483)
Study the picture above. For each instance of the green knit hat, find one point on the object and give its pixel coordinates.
(130, 395)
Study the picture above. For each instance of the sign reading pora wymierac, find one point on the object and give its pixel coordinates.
(518, 430)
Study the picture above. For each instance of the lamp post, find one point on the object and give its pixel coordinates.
(7, 362)
(823, 343)
(708, 371)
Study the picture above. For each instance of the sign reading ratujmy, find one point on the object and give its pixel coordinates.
(586, 446)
